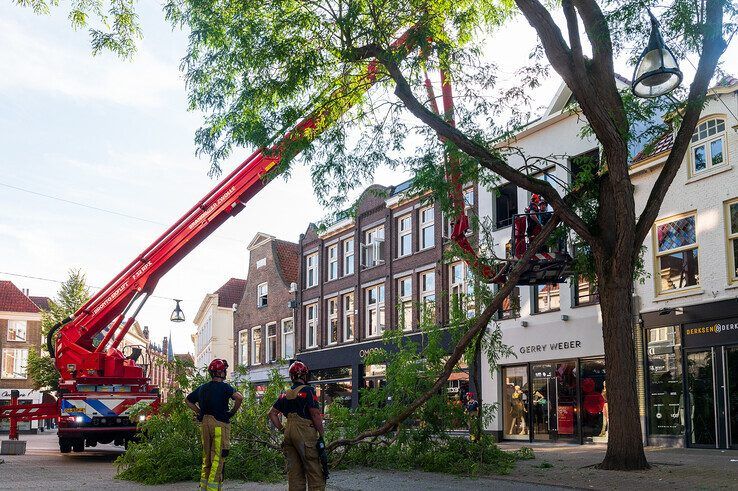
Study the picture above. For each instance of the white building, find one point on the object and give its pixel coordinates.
(214, 322)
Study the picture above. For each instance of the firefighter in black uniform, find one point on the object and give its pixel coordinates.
(303, 445)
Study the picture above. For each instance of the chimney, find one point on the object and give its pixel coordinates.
(146, 332)
(26, 291)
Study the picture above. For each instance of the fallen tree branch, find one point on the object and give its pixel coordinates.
(479, 325)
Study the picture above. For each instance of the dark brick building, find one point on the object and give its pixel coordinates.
(264, 332)
(380, 269)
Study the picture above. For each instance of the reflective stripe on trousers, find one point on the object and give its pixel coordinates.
(215, 440)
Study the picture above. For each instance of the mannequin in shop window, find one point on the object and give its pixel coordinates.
(518, 410)
(540, 412)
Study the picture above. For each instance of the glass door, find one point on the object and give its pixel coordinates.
(701, 391)
(567, 401)
(555, 401)
(515, 415)
(543, 397)
(731, 386)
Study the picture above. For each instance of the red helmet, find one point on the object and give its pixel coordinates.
(470, 394)
(535, 198)
(298, 370)
(217, 368)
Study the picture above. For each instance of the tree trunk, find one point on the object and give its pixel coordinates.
(625, 443)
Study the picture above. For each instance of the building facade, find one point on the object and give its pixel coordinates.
(380, 269)
(214, 322)
(689, 306)
(20, 332)
(264, 327)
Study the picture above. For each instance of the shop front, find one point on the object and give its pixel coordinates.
(25, 396)
(692, 375)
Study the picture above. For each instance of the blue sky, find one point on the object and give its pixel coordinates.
(116, 135)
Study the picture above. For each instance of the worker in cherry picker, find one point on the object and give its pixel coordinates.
(210, 402)
(303, 446)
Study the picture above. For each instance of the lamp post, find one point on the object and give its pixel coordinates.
(656, 72)
(177, 314)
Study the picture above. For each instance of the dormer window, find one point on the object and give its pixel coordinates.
(707, 149)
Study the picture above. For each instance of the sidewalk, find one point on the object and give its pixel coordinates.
(672, 468)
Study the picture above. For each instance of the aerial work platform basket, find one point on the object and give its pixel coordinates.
(552, 264)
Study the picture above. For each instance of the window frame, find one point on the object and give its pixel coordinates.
(534, 299)
(403, 233)
(24, 323)
(311, 322)
(465, 287)
(349, 257)
(13, 374)
(706, 142)
(424, 294)
(256, 351)
(377, 236)
(331, 316)
(311, 267)
(497, 225)
(262, 298)
(243, 358)
(377, 308)
(424, 224)
(405, 302)
(731, 238)
(348, 311)
(284, 334)
(332, 261)
(270, 352)
(656, 255)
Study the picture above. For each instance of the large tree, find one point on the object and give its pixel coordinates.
(254, 66)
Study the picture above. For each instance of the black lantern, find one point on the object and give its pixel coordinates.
(657, 72)
(177, 314)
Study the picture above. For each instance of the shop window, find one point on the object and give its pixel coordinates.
(271, 344)
(373, 248)
(515, 403)
(332, 320)
(374, 310)
(731, 213)
(506, 205)
(665, 390)
(428, 297)
(311, 270)
(677, 263)
(17, 330)
(375, 376)
(427, 228)
(262, 291)
(348, 317)
(405, 303)
(243, 347)
(546, 298)
(14, 363)
(404, 236)
(348, 257)
(288, 339)
(707, 149)
(332, 262)
(311, 325)
(595, 410)
(256, 346)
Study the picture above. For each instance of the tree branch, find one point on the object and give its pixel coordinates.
(713, 46)
(479, 325)
(557, 51)
(572, 25)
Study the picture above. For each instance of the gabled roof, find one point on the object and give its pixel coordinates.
(259, 239)
(288, 260)
(231, 292)
(41, 302)
(13, 300)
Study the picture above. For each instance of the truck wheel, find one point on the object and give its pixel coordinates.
(65, 446)
(78, 445)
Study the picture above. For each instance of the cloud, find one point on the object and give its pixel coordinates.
(46, 63)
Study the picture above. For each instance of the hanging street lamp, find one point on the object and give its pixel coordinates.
(177, 314)
(657, 72)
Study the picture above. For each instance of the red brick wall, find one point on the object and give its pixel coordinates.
(33, 341)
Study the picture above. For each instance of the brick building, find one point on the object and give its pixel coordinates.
(20, 332)
(381, 269)
(264, 323)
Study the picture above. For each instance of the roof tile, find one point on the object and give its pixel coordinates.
(662, 144)
(288, 255)
(13, 300)
(231, 292)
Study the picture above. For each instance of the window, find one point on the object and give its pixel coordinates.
(311, 270)
(585, 292)
(17, 330)
(405, 303)
(256, 346)
(373, 247)
(404, 236)
(243, 347)
(332, 320)
(708, 145)
(506, 205)
(731, 214)
(428, 297)
(461, 288)
(427, 228)
(262, 290)
(584, 163)
(14, 363)
(271, 346)
(510, 305)
(348, 257)
(288, 339)
(374, 310)
(468, 206)
(348, 317)
(546, 298)
(676, 254)
(332, 262)
(311, 316)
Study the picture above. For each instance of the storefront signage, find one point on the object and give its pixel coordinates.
(551, 347)
(364, 352)
(713, 333)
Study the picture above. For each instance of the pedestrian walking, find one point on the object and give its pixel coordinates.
(303, 444)
(210, 402)
(472, 412)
